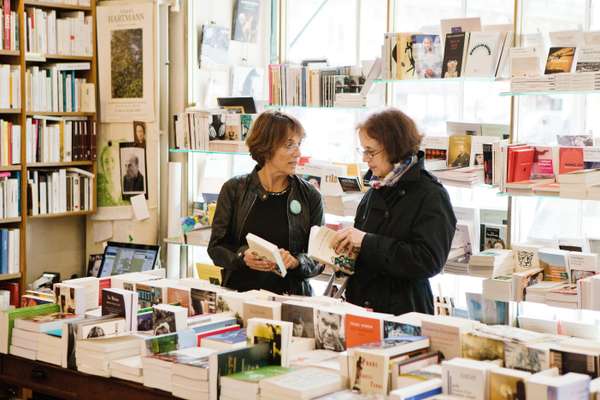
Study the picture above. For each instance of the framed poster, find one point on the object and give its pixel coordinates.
(126, 62)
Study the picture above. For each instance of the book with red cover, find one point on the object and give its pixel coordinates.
(362, 330)
(6, 9)
(570, 159)
(523, 161)
(217, 331)
(512, 161)
(13, 288)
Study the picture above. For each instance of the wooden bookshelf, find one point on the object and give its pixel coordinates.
(34, 57)
(57, 6)
(5, 168)
(62, 215)
(10, 111)
(10, 220)
(10, 53)
(59, 114)
(8, 277)
(61, 164)
(25, 60)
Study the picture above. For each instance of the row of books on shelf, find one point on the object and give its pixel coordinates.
(462, 48)
(62, 190)
(212, 130)
(10, 198)
(571, 63)
(198, 340)
(9, 251)
(82, 3)
(10, 143)
(53, 139)
(10, 86)
(315, 84)
(9, 34)
(57, 89)
(68, 33)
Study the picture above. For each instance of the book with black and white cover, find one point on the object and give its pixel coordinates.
(167, 318)
(483, 54)
(302, 315)
(267, 251)
(122, 303)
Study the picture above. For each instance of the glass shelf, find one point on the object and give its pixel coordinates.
(433, 80)
(171, 150)
(274, 106)
(550, 93)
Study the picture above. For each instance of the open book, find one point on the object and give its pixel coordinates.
(267, 251)
(320, 248)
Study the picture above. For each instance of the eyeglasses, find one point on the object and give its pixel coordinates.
(290, 146)
(368, 154)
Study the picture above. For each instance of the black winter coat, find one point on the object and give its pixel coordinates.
(235, 201)
(409, 228)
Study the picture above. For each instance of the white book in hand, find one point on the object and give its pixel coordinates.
(320, 247)
(267, 251)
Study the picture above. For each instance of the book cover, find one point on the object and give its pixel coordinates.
(459, 151)
(427, 52)
(453, 55)
(543, 166)
(588, 59)
(203, 301)
(488, 163)
(492, 237)
(560, 59)
(113, 304)
(275, 334)
(214, 46)
(362, 330)
(246, 15)
(163, 321)
(482, 54)
(520, 356)
(148, 295)
(526, 257)
(554, 264)
(179, 297)
(329, 331)
(482, 348)
(436, 152)
(575, 140)
(393, 329)
(369, 373)
(567, 361)
(246, 359)
(403, 57)
(506, 387)
(320, 248)
(521, 164)
(302, 316)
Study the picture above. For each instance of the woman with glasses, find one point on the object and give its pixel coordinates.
(272, 203)
(404, 225)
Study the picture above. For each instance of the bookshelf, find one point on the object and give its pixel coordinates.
(19, 115)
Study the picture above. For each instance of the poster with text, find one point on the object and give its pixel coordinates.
(126, 62)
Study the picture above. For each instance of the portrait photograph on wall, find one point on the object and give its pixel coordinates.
(133, 170)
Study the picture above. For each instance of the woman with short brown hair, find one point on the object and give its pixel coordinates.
(272, 203)
(404, 225)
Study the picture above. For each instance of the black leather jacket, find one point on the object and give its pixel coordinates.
(235, 202)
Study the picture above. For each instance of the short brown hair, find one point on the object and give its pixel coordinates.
(396, 131)
(269, 131)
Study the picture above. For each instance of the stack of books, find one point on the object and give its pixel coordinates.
(305, 383)
(466, 176)
(577, 184)
(194, 374)
(245, 385)
(49, 347)
(129, 369)
(542, 83)
(94, 356)
(579, 81)
(491, 263)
